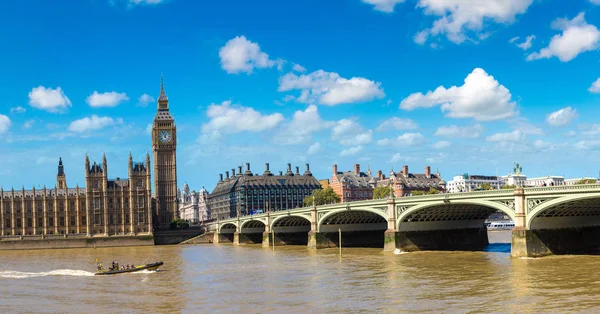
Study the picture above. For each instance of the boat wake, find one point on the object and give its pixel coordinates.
(58, 272)
(399, 252)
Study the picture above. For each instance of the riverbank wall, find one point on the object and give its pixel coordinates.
(74, 242)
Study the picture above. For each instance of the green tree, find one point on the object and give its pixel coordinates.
(382, 192)
(179, 223)
(433, 191)
(415, 193)
(586, 181)
(509, 186)
(322, 197)
(486, 186)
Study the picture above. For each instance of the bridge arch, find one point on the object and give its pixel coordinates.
(439, 211)
(228, 227)
(252, 226)
(362, 215)
(290, 221)
(567, 206)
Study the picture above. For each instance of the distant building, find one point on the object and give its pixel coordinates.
(193, 206)
(545, 181)
(575, 180)
(467, 183)
(356, 185)
(324, 183)
(247, 193)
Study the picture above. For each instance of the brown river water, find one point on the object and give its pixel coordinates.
(251, 279)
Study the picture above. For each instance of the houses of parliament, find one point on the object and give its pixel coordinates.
(104, 207)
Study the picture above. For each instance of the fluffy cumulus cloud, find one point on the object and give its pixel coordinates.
(577, 36)
(5, 123)
(386, 6)
(513, 136)
(404, 140)
(524, 45)
(298, 68)
(460, 18)
(144, 100)
(562, 117)
(329, 88)
(239, 55)
(146, 1)
(396, 123)
(92, 123)
(48, 99)
(595, 88)
(455, 131)
(349, 132)
(226, 118)
(481, 97)
(351, 151)
(108, 99)
(303, 124)
(596, 2)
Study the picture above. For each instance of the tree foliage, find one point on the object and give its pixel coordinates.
(586, 181)
(486, 186)
(433, 191)
(382, 192)
(179, 224)
(322, 197)
(509, 186)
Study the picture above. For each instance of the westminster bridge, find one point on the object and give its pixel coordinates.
(548, 220)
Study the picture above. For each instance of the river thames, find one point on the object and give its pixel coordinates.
(251, 279)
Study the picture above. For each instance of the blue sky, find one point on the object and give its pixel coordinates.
(458, 85)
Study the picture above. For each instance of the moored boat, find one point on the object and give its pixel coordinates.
(151, 266)
(501, 225)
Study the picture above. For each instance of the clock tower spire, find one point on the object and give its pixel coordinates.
(164, 148)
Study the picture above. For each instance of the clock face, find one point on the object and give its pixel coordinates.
(164, 136)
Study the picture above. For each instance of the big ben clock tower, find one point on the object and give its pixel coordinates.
(164, 144)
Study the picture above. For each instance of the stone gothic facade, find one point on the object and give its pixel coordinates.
(193, 206)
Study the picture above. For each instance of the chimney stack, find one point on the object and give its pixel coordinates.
(227, 175)
(220, 177)
(428, 171)
(357, 169)
(232, 172)
(405, 170)
(280, 173)
(307, 167)
(379, 175)
(247, 166)
(239, 170)
(297, 170)
(266, 167)
(335, 169)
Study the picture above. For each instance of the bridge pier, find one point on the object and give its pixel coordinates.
(469, 239)
(320, 240)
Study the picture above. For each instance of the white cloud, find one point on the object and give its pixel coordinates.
(524, 45)
(396, 123)
(587, 144)
(298, 68)
(441, 144)
(543, 146)
(349, 132)
(241, 55)
(596, 2)
(455, 131)
(108, 99)
(28, 124)
(145, 1)
(48, 99)
(595, 88)
(594, 130)
(562, 117)
(144, 100)
(404, 140)
(514, 39)
(18, 109)
(386, 6)
(481, 97)
(577, 37)
(351, 151)
(5, 123)
(460, 17)
(91, 124)
(149, 128)
(525, 127)
(227, 118)
(436, 159)
(570, 134)
(314, 148)
(303, 125)
(514, 136)
(329, 88)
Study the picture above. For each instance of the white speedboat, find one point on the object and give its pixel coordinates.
(501, 225)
